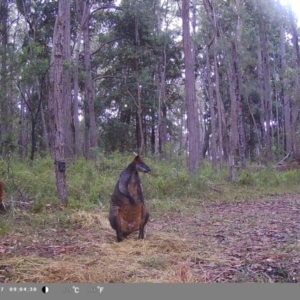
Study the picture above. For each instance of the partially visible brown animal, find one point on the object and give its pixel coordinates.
(2, 206)
(128, 211)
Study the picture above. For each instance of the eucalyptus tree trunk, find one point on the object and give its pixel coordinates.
(238, 97)
(286, 98)
(138, 102)
(233, 135)
(160, 76)
(221, 111)
(227, 143)
(90, 142)
(266, 93)
(190, 95)
(45, 131)
(161, 139)
(75, 97)
(140, 132)
(296, 101)
(157, 135)
(213, 147)
(262, 140)
(223, 140)
(200, 101)
(81, 8)
(23, 131)
(67, 87)
(4, 112)
(56, 101)
(235, 47)
(163, 111)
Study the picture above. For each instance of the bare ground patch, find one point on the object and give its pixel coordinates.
(250, 241)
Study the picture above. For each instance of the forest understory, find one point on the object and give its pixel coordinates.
(254, 240)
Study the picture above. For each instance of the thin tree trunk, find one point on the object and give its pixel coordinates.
(221, 115)
(138, 103)
(199, 101)
(233, 136)
(266, 84)
(163, 111)
(286, 98)
(23, 131)
(81, 16)
(4, 114)
(235, 140)
(67, 96)
(139, 116)
(262, 139)
(57, 103)
(45, 132)
(157, 136)
(154, 140)
(190, 95)
(87, 122)
(213, 147)
(93, 143)
(222, 134)
(161, 136)
(75, 98)
(237, 89)
(295, 103)
(237, 92)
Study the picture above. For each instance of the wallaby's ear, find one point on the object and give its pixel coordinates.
(137, 159)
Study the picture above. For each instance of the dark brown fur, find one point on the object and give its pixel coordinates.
(128, 212)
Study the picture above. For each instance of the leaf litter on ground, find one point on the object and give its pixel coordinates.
(243, 241)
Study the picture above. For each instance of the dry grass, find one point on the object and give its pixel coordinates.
(253, 241)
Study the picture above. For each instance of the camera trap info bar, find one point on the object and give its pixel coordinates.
(148, 291)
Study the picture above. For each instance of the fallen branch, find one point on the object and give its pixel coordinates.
(285, 158)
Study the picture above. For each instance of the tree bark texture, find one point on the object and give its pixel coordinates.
(296, 101)
(190, 95)
(138, 101)
(238, 97)
(58, 104)
(81, 18)
(89, 96)
(4, 104)
(286, 98)
(266, 94)
(262, 140)
(213, 147)
(67, 88)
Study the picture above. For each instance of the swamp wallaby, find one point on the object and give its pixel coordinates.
(128, 211)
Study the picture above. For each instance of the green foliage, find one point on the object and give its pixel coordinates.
(117, 135)
(246, 178)
(268, 178)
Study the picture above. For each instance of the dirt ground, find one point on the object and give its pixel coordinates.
(247, 241)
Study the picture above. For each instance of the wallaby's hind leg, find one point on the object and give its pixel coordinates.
(119, 237)
(145, 219)
(115, 224)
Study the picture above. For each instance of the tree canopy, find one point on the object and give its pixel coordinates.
(209, 79)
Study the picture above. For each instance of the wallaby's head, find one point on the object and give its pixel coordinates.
(140, 165)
